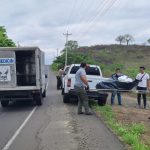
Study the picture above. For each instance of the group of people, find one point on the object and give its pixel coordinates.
(81, 85)
(143, 86)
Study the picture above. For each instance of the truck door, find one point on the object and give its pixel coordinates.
(7, 69)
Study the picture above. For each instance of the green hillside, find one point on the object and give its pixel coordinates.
(128, 58)
(110, 57)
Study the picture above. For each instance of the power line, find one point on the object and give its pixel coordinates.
(66, 57)
(71, 13)
(100, 7)
(102, 13)
(87, 10)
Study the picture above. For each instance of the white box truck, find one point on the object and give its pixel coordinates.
(22, 75)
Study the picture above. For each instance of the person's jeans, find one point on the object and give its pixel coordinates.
(143, 95)
(82, 99)
(113, 98)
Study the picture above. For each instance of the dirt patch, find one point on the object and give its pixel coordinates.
(129, 115)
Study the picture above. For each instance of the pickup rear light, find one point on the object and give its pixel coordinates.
(69, 83)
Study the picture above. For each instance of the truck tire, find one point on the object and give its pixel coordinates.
(44, 93)
(62, 92)
(4, 103)
(66, 98)
(102, 100)
(38, 98)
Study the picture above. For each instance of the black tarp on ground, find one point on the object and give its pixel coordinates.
(117, 85)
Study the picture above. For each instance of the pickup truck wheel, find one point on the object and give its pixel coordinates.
(44, 93)
(4, 103)
(102, 100)
(38, 98)
(66, 98)
(62, 92)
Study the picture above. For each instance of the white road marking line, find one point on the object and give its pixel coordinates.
(9, 143)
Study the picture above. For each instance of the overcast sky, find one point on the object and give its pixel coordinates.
(42, 23)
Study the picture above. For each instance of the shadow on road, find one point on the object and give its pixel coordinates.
(18, 106)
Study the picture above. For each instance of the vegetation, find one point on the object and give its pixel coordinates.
(120, 39)
(109, 57)
(4, 40)
(73, 56)
(129, 133)
(127, 38)
(148, 41)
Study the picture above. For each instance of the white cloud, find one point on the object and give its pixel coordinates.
(41, 23)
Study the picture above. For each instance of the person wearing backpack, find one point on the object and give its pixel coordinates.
(143, 85)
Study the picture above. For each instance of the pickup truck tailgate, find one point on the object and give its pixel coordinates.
(93, 81)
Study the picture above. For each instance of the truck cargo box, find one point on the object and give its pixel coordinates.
(22, 73)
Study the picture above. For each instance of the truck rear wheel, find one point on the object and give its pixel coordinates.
(44, 93)
(102, 100)
(4, 103)
(38, 98)
(62, 92)
(66, 98)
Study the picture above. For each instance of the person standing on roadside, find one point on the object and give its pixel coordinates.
(115, 76)
(59, 78)
(143, 85)
(81, 85)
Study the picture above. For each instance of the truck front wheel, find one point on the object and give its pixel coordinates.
(38, 98)
(66, 98)
(4, 103)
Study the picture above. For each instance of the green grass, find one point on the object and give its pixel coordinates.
(130, 133)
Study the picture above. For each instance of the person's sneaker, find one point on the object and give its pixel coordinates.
(89, 113)
(80, 113)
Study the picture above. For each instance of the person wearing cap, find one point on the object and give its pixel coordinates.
(80, 86)
(143, 85)
(115, 76)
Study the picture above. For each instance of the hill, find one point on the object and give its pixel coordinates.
(109, 57)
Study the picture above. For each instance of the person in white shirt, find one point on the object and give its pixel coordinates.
(143, 85)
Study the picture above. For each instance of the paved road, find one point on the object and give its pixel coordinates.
(53, 126)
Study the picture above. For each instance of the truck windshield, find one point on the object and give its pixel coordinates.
(89, 71)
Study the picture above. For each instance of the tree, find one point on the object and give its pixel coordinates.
(148, 41)
(120, 39)
(128, 38)
(4, 40)
(72, 45)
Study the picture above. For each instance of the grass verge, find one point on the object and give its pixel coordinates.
(129, 133)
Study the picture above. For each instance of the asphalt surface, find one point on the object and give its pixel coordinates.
(53, 126)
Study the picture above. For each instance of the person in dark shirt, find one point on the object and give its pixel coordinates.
(115, 76)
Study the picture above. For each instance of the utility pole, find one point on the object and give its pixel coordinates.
(57, 51)
(18, 44)
(67, 35)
